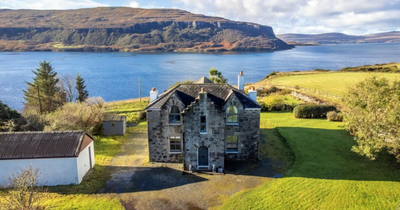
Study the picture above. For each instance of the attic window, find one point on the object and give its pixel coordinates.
(174, 115)
(232, 115)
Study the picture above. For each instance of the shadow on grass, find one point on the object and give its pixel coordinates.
(326, 154)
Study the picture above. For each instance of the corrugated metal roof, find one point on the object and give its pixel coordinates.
(27, 145)
(219, 93)
(114, 118)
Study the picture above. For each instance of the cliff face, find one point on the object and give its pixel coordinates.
(129, 29)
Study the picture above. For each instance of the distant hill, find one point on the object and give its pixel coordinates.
(130, 29)
(339, 38)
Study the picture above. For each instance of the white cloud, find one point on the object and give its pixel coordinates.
(50, 4)
(305, 16)
(134, 4)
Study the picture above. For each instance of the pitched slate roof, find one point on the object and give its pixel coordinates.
(204, 80)
(28, 145)
(109, 118)
(219, 93)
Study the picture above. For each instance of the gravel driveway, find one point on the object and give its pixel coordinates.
(143, 185)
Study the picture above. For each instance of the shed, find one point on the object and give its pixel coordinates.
(114, 125)
(61, 157)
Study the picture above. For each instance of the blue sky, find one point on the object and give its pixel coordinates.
(285, 16)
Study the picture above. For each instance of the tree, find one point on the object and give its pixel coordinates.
(6, 113)
(81, 88)
(44, 93)
(69, 87)
(23, 192)
(372, 115)
(216, 76)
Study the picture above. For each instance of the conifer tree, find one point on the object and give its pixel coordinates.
(216, 76)
(81, 88)
(44, 93)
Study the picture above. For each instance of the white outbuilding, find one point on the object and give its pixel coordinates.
(61, 158)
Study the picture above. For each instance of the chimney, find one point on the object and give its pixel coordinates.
(153, 94)
(241, 81)
(252, 93)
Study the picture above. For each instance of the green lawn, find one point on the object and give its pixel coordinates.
(331, 85)
(325, 173)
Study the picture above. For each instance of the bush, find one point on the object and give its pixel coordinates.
(312, 111)
(142, 115)
(77, 116)
(274, 102)
(334, 116)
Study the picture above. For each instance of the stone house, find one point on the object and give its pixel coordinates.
(203, 124)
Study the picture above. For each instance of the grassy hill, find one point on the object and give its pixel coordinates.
(325, 174)
(324, 85)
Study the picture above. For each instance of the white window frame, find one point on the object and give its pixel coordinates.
(169, 144)
(227, 115)
(175, 114)
(226, 147)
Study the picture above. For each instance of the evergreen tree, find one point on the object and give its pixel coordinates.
(81, 88)
(216, 76)
(44, 93)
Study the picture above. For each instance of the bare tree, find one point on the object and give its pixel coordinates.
(69, 87)
(23, 192)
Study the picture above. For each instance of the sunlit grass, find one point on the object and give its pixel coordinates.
(325, 174)
(331, 85)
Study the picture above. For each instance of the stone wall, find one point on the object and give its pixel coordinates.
(214, 139)
(247, 131)
(160, 130)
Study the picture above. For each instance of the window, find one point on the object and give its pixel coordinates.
(174, 115)
(232, 115)
(203, 124)
(232, 144)
(175, 145)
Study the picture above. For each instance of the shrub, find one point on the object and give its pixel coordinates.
(142, 115)
(312, 111)
(274, 102)
(334, 116)
(77, 116)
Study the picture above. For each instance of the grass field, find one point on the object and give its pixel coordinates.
(330, 86)
(325, 173)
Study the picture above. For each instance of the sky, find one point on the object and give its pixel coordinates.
(354, 17)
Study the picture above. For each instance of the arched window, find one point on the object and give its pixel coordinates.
(232, 115)
(174, 115)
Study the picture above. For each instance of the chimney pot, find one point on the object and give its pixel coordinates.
(252, 93)
(241, 81)
(153, 94)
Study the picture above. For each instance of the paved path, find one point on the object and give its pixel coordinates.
(141, 185)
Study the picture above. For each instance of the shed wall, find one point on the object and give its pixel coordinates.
(117, 129)
(52, 171)
(84, 163)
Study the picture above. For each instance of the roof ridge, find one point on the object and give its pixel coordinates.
(39, 132)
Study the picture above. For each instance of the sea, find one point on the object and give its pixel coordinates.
(115, 75)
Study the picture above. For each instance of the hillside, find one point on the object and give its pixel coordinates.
(326, 85)
(130, 29)
(340, 38)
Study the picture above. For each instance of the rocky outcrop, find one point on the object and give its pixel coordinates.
(128, 29)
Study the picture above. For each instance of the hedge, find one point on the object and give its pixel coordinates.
(312, 111)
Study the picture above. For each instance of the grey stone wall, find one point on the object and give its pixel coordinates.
(247, 131)
(160, 130)
(214, 139)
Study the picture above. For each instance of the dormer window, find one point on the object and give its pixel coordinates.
(174, 115)
(232, 115)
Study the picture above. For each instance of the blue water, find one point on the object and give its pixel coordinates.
(114, 76)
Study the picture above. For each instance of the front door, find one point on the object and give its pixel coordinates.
(203, 156)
